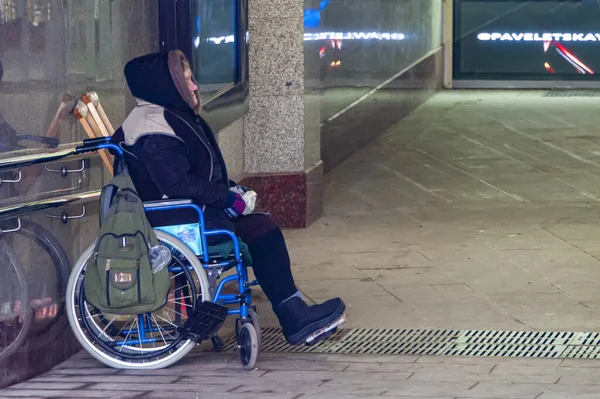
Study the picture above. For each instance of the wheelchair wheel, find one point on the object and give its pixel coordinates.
(144, 341)
(247, 346)
(256, 325)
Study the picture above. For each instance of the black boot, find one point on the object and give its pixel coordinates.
(299, 321)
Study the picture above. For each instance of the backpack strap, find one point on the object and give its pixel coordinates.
(106, 198)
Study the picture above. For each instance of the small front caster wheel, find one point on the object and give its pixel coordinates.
(256, 325)
(247, 346)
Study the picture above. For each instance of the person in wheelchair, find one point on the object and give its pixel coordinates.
(171, 152)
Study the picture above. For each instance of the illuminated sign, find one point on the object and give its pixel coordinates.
(222, 39)
(353, 36)
(395, 36)
(526, 40)
(540, 37)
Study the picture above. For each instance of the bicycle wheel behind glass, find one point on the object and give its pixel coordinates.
(15, 314)
(47, 267)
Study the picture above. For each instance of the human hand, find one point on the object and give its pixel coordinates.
(241, 204)
(249, 197)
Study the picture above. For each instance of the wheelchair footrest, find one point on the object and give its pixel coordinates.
(205, 322)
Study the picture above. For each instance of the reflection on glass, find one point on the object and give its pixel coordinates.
(216, 65)
(352, 46)
(518, 39)
(51, 53)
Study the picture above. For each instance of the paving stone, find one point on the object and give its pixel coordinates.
(201, 395)
(156, 379)
(549, 395)
(84, 363)
(506, 390)
(324, 390)
(413, 276)
(580, 363)
(579, 377)
(216, 369)
(339, 358)
(210, 383)
(419, 388)
(62, 394)
(301, 365)
(39, 383)
(391, 383)
(31, 393)
(336, 396)
(332, 288)
(199, 385)
(384, 368)
(80, 372)
(4, 397)
(86, 393)
(493, 360)
(319, 377)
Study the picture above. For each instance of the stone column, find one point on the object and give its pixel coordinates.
(281, 132)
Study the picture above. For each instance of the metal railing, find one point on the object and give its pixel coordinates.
(21, 209)
(40, 156)
(70, 152)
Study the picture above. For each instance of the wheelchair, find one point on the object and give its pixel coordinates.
(162, 338)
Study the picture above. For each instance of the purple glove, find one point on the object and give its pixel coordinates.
(236, 205)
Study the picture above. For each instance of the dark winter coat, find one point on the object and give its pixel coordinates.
(171, 151)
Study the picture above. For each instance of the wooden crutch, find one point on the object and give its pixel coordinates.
(93, 96)
(95, 115)
(80, 113)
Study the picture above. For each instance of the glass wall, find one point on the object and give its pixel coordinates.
(352, 46)
(527, 39)
(52, 52)
(368, 63)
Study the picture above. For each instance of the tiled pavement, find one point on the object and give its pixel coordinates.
(478, 211)
(330, 377)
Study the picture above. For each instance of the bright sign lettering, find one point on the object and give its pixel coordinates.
(392, 36)
(353, 36)
(539, 37)
(221, 39)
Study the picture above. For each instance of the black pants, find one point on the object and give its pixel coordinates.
(271, 261)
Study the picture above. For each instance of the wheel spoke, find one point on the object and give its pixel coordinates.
(169, 323)
(109, 324)
(159, 330)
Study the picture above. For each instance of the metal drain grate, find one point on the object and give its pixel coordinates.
(582, 352)
(371, 341)
(572, 93)
(516, 338)
(505, 350)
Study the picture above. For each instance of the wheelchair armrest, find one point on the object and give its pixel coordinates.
(165, 203)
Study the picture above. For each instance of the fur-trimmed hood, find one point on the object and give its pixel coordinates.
(158, 78)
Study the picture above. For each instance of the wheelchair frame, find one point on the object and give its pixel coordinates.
(248, 350)
(244, 297)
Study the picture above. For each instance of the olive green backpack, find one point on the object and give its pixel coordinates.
(119, 278)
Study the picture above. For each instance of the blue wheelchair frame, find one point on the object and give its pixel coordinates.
(244, 298)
